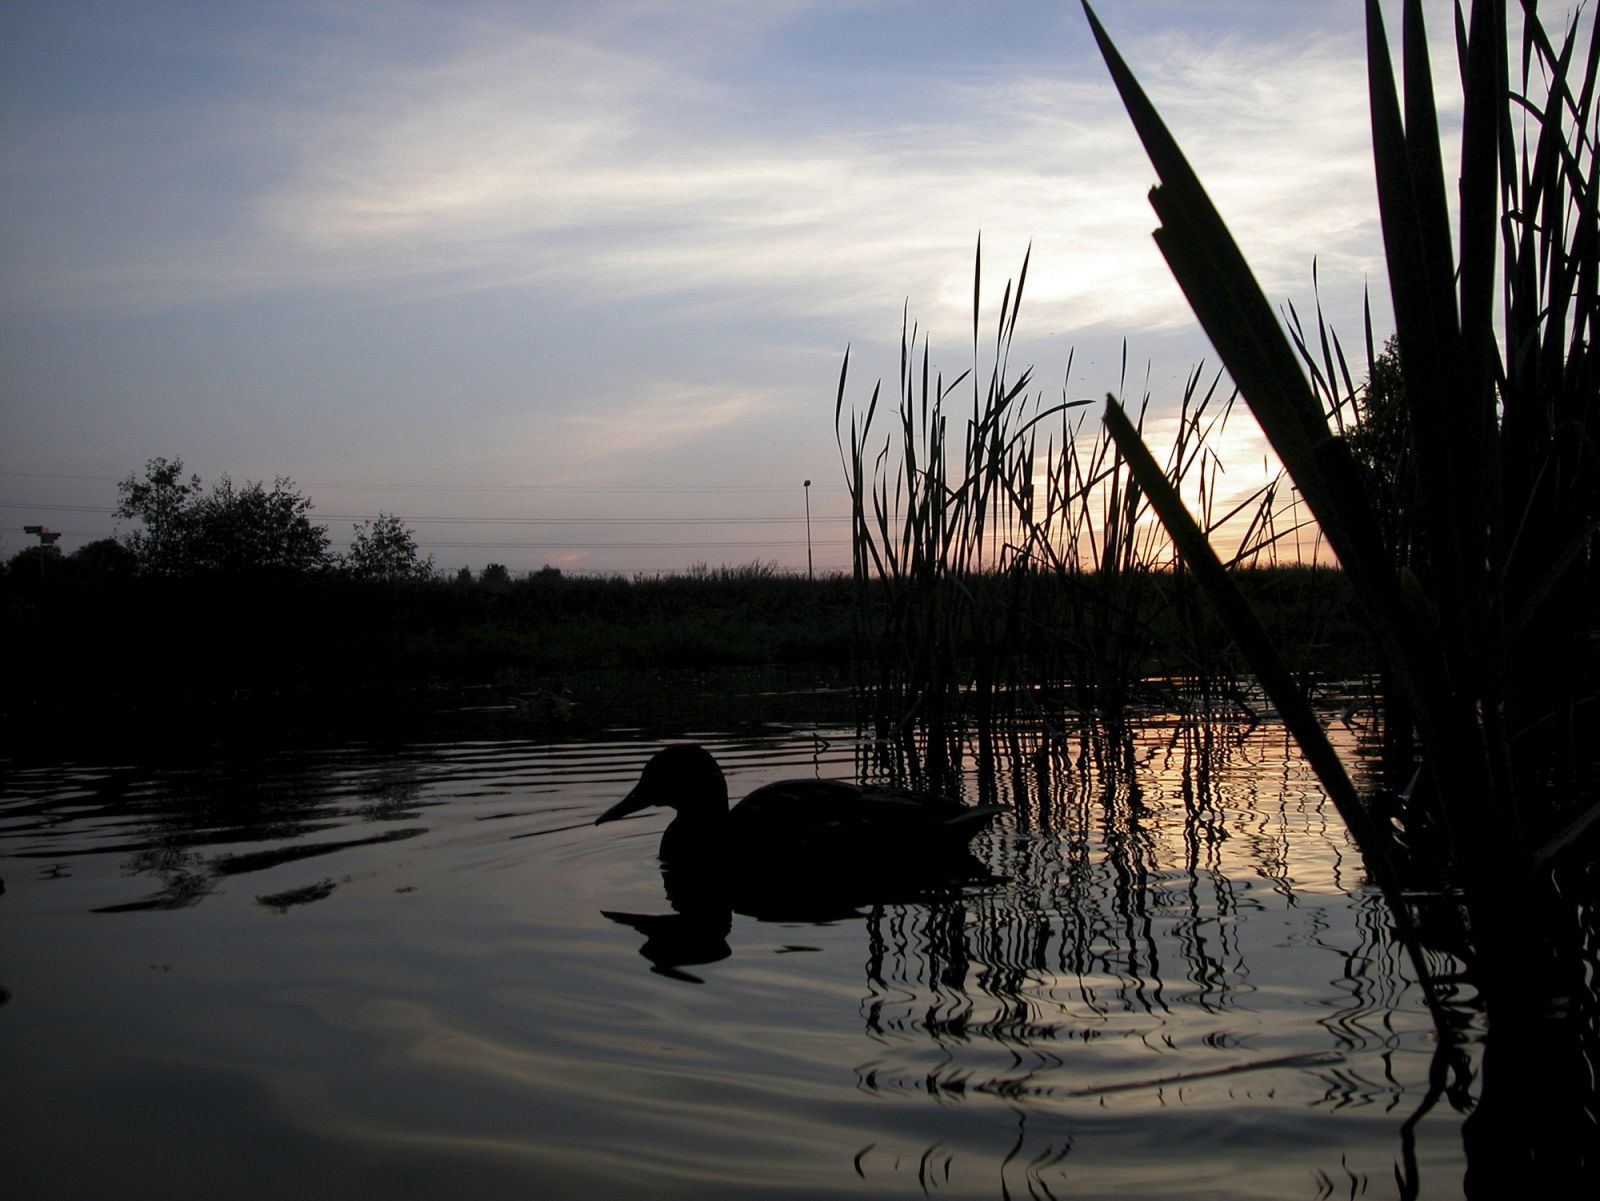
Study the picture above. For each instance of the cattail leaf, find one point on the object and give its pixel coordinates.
(977, 278)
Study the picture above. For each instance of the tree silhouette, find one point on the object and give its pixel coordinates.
(235, 528)
(386, 549)
(165, 504)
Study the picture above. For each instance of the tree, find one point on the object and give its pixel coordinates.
(34, 561)
(166, 506)
(251, 527)
(233, 529)
(104, 559)
(386, 549)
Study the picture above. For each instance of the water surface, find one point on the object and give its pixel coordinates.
(417, 972)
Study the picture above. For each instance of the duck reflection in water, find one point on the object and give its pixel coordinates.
(796, 850)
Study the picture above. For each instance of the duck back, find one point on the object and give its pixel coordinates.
(834, 824)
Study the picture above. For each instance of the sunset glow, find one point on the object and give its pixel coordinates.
(501, 269)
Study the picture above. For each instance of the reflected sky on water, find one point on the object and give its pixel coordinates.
(417, 971)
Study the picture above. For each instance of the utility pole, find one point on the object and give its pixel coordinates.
(809, 574)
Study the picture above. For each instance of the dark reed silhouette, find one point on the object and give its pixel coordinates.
(1485, 617)
(1010, 571)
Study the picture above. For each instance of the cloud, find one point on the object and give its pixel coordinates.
(597, 161)
(664, 419)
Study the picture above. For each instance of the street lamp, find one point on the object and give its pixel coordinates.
(808, 531)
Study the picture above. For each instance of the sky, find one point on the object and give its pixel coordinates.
(571, 283)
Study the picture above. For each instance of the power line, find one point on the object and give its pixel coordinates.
(452, 544)
(404, 487)
(711, 488)
(599, 546)
(52, 475)
(434, 520)
(62, 508)
(589, 520)
(459, 544)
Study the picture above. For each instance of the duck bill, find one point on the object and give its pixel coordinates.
(631, 803)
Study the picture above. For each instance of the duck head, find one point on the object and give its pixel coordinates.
(683, 777)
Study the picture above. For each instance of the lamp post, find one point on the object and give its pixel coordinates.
(808, 531)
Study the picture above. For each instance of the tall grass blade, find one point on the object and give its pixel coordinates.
(1220, 288)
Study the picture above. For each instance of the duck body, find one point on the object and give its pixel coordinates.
(812, 827)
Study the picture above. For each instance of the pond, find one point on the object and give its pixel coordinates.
(416, 971)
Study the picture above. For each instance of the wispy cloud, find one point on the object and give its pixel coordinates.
(599, 161)
(660, 421)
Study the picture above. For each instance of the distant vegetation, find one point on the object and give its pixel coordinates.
(183, 530)
(224, 609)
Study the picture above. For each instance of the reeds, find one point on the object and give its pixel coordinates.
(1012, 566)
(1485, 612)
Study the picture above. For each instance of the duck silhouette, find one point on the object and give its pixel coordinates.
(808, 828)
(813, 851)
